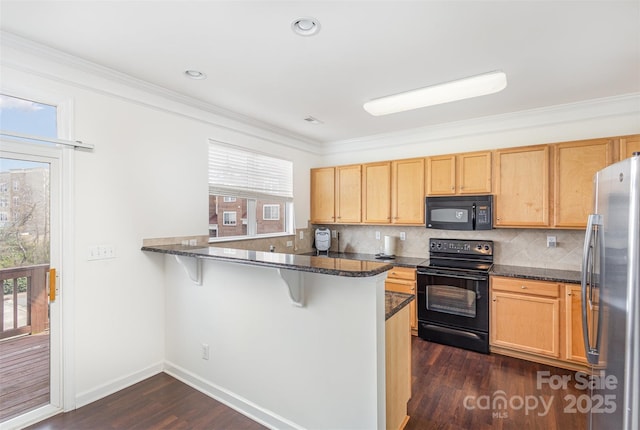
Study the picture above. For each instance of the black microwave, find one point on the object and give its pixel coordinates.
(459, 212)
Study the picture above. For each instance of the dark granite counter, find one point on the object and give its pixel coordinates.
(393, 302)
(552, 275)
(411, 262)
(305, 263)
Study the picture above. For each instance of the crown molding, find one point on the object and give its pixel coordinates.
(626, 104)
(137, 90)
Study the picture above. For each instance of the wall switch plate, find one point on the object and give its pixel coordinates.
(101, 252)
(333, 234)
(378, 235)
(205, 351)
(403, 235)
(301, 234)
(551, 242)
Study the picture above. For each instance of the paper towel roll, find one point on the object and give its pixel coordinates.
(389, 245)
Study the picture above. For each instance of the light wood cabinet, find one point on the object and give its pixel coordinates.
(522, 187)
(574, 335)
(407, 191)
(323, 195)
(348, 192)
(525, 316)
(336, 194)
(376, 193)
(403, 280)
(398, 369)
(629, 145)
(574, 167)
(467, 173)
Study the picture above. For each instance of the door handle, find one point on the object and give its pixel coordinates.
(51, 281)
(595, 221)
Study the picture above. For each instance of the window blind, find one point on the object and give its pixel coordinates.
(237, 172)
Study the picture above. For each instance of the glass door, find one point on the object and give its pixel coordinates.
(30, 251)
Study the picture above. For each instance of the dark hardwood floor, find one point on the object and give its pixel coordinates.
(443, 377)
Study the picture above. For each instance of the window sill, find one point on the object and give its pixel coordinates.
(238, 238)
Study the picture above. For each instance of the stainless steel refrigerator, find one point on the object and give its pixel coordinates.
(611, 297)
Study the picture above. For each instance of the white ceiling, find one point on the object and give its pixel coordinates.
(553, 52)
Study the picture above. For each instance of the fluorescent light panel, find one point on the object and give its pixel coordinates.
(466, 88)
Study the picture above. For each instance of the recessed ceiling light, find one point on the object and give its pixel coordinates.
(305, 26)
(194, 74)
(466, 88)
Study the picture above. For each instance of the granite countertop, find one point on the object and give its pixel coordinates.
(393, 302)
(305, 263)
(411, 262)
(552, 275)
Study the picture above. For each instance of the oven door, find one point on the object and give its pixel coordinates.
(453, 299)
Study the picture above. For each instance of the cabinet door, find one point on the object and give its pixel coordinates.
(407, 191)
(629, 145)
(575, 350)
(407, 287)
(323, 195)
(441, 175)
(348, 193)
(376, 193)
(522, 187)
(575, 165)
(474, 173)
(525, 323)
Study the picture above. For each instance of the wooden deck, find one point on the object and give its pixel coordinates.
(24, 374)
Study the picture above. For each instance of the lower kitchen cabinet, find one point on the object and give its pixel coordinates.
(539, 321)
(403, 280)
(525, 316)
(398, 368)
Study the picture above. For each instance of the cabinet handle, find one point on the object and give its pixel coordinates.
(568, 294)
(494, 300)
(413, 289)
(462, 188)
(453, 188)
(524, 287)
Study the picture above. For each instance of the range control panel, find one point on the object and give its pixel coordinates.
(461, 246)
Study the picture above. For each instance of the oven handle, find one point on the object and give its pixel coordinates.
(452, 275)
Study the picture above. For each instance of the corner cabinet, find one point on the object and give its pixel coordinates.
(522, 187)
(575, 165)
(467, 173)
(629, 145)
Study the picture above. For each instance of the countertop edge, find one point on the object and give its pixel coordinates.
(194, 252)
(404, 300)
(536, 273)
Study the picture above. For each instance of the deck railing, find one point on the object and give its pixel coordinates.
(24, 307)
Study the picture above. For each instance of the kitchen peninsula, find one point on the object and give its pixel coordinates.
(292, 341)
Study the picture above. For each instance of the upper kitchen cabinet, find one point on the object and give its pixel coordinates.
(407, 191)
(336, 194)
(376, 193)
(348, 192)
(575, 163)
(467, 173)
(629, 145)
(522, 187)
(323, 181)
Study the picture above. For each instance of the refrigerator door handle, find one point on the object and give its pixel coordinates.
(588, 275)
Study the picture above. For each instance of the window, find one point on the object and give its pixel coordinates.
(256, 188)
(4, 188)
(271, 212)
(229, 218)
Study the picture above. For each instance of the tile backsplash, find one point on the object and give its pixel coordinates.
(515, 247)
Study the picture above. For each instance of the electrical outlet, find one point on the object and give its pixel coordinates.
(551, 242)
(205, 351)
(377, 235)
(333, 233)
(403, 235)
(301, 234)
(289, 243)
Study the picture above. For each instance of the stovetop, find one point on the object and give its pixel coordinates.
(458, 254)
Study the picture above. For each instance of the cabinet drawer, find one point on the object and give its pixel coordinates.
(526, 286)
(404, 273)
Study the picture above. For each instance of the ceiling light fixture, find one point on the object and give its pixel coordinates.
(312, 120)
(194, 74)
(305, 26)
(466, 88)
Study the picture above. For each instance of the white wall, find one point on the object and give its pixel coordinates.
(318, 367)
(146, 178)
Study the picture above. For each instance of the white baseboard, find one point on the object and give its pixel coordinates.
(104, 390)
(234, 401)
